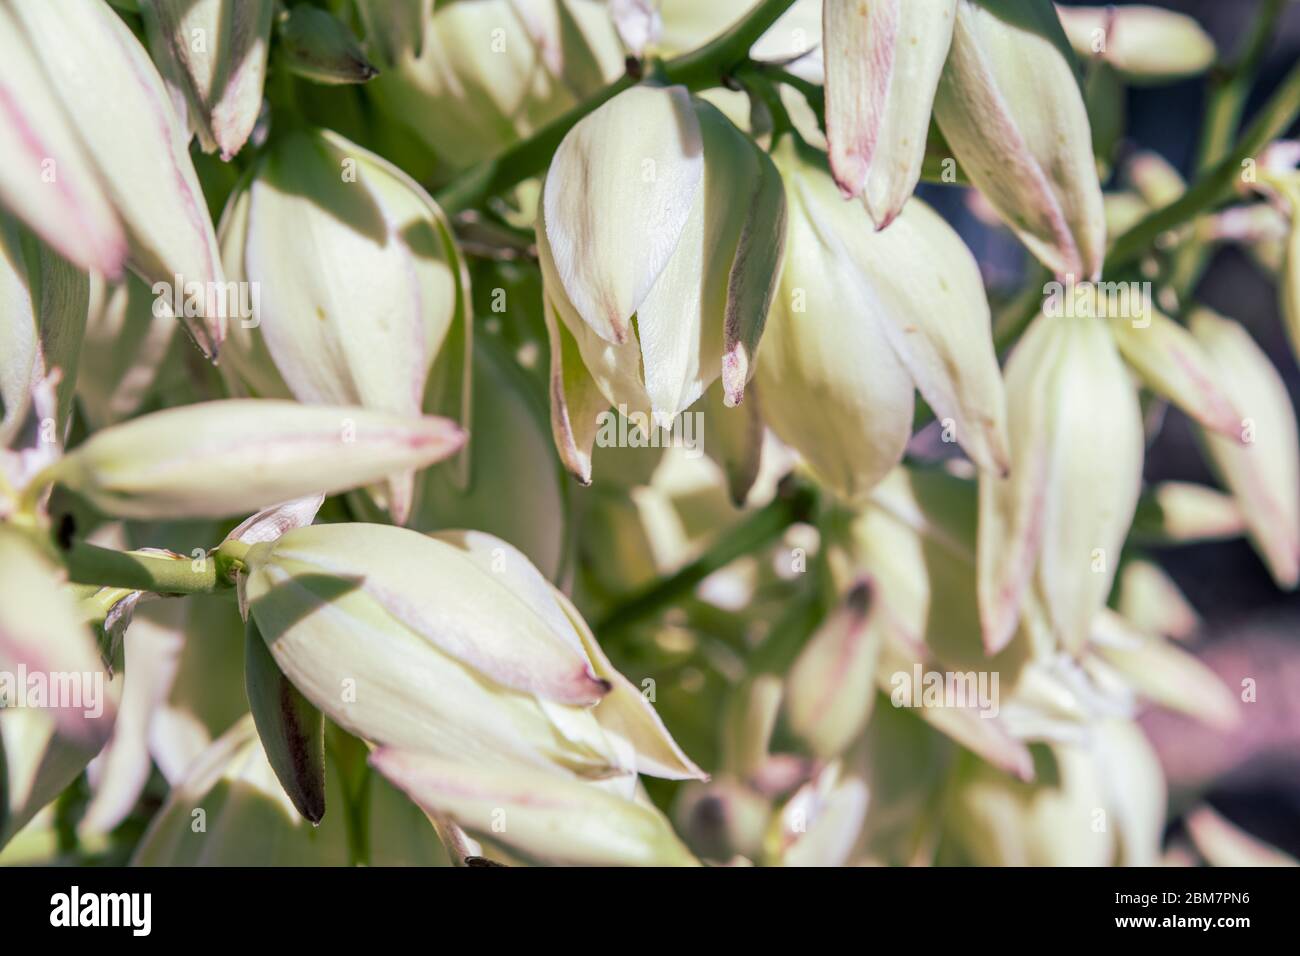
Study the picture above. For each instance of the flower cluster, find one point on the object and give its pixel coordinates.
(856, 562)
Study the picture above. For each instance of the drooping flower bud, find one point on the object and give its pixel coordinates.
(1261, 463)
(44, 301)
(358, 280)
(490, 666)
(1145, 44)
(1010, 106)
(107, 90)
(883, 62)
(860, 320)
(212, 53)
(471, 78)
(830, 689)
(217, 459)
(660, 237)
(1056, 524)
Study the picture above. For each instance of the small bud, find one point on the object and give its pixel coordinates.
(830, 689)
(1145, 44)
(318, 47)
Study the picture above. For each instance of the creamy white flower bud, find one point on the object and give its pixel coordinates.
(1145, 44)
(358, 277)
(861, 319)
(212, 53)
(1056, 524)
(1010, 106)
(660, 237)
(883, 61)
(217, 459)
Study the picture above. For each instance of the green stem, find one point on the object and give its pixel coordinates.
(1216, 184)
(698, 70)
(138, 571)
(1229, 91)
(794, 502)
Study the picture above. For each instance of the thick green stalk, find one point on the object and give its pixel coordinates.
(140, 571)
(697, 70)
(1229, 89)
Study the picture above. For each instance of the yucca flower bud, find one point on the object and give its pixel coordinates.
(217, 459)
(830, 689)
(660, 237)
(1150, 600)
(1145, 44)
(1260, 464)
(861, 320)
(490, 667)
(883, 62)
(1056, 524)
(358, 276)
(212, 53)
(45, 318)
(118, 148)
(1010, 106)
(471, 78)
(1183, 512)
